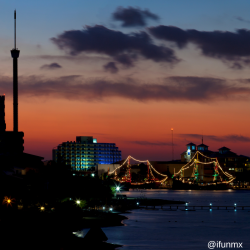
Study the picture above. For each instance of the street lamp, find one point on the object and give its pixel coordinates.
(8, 200)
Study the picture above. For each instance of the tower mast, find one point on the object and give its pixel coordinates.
(15, 54)
(15, 28)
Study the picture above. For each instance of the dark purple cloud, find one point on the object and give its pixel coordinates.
(126, 60)
(51, 66)
(195, 89)
(232, 138)
(111, 67)
(131, 17)
(224, 45)
(242, 19)
(123, 48)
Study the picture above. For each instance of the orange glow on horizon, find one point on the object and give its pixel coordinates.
(138, 129)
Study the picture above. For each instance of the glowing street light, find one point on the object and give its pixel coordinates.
(78, 202)
(42, 208)
(117, 188)
(8, 200)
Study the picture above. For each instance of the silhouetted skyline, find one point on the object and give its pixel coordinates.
(129, 73)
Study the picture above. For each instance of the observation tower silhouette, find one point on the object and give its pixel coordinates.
(15, 54)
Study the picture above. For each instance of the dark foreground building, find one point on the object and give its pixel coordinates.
(12, 157)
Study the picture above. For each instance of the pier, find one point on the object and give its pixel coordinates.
(186, 208)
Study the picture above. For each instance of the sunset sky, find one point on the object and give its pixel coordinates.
(126, 72)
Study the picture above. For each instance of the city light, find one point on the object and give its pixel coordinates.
(78, 202)
(8, 201)
(42, 208)
(192, 162)
(111, 209)
(93, 175)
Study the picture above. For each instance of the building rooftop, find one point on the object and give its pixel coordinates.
(202, 145)
(224, 148)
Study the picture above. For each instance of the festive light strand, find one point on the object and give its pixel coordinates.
(119, 166)
(137, 160)
(186, 166)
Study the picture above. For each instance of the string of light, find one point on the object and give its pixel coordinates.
(186, 166)
(119, 166)
(156, 170)
(137, 160)
(151, 172)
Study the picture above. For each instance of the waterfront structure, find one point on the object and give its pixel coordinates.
(86, 153)
(205, 170)
(228, 160)
(106, 168)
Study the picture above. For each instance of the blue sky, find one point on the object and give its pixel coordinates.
(40, 20)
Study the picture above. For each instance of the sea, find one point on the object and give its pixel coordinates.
(153, 229)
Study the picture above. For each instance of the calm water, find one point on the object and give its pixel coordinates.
(157, 229)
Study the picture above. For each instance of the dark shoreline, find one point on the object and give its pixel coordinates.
(33, 229)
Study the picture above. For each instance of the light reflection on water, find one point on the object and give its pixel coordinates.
(197, 197)
(157, 229)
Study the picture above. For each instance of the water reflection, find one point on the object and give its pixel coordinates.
(158, 229)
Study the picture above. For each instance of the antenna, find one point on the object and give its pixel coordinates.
(172, 143)
(15, 27)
